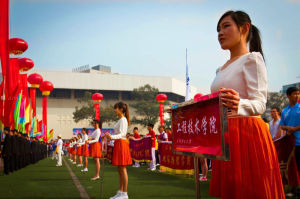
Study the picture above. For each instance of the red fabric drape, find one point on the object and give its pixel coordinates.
(11, 87)
(161, 114)
(33, 101)
(4, 28)
(45, 110)
(1, 102)
(24, 85)
(4, 17)
(97, 111)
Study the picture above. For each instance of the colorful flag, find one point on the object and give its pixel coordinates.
(17, 110)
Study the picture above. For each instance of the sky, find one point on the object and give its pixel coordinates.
(150, 38)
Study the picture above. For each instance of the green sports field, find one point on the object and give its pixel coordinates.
(44, 180)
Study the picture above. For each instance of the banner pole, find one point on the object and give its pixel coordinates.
(197, 181)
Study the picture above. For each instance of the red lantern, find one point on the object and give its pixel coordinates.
(25, 64)
(35, 80)
(161, 98)
(46, 87)
(197, 97)
(97, 97)
(17, 46)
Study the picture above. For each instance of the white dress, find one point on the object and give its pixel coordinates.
(248, 76)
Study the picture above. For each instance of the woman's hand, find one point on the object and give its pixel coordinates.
(108, 136)
(230, 98)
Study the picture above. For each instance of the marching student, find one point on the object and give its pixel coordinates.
(121, 154)
(253, 169)
(96, 147)
(85, 149)
(6, 153)
(79, 150)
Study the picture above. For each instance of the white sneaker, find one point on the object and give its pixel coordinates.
(79, 165)
(153, 169)
(95, 178)
(73, 162)
(84, 170)
(117, 195)
(123, 195)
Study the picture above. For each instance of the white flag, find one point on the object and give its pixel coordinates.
(188, 88)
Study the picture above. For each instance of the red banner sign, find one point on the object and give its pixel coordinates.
(170, 162)
(198, 128)
(141, 149)
(287, 161)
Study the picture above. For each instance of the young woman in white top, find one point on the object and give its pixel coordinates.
(70, 149)
(79, 150)
(85, 149)
(96, 147)
(121, 154)
(253, 169)
(74, 150)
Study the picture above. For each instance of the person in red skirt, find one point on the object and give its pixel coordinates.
(74, 151)
(96, 147)
(85, 149)
(253, 169)
(121, 154)
(79, 150)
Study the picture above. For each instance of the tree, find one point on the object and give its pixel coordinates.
(86, 111)
(275, 99)
(146, 106)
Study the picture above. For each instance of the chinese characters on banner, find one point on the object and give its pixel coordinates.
(178, 164)
(197, 127)
(141, 149)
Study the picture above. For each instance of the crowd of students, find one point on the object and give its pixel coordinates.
(18, 151)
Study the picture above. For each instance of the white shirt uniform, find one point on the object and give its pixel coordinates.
(95, 136)
(59, 144)
(84, 138)
(248, 76)
(120, 129)
(274, 128)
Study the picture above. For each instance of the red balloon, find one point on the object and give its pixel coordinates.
(197, 97)
(46, 87)
(17, 46)
(35, 79)
(97, 97)
(161, 98)
(25, 64)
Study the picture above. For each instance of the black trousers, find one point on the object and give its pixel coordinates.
(6, 164)
(297, 156)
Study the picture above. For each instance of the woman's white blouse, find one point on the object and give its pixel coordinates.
(84, 138)
(120, 129)
(95, 136)
(248, 76)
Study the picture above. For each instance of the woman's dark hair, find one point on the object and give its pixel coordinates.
(83, 129)
(240, 18)
(135, 128)
(98, 122)
(125, 108)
